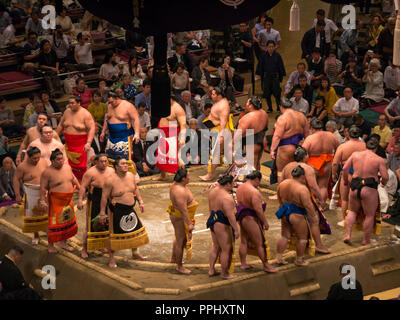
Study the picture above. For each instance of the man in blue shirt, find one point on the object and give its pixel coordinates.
(272, 71)
(145, 95)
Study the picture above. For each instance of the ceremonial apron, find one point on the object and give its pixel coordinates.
(191, 211)
(34, 220)
(62, 220)
(77, 158)
(167, 153)
(126, 229)
(98, 234)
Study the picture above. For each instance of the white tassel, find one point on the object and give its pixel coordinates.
(396, 45)
(294, 17)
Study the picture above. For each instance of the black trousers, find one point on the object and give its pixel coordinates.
(272, 86)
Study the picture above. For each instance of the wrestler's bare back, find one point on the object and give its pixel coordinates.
(122, 190)
(256, 120)
(367, 164)
(320, 142)
(178, 191)
(30, 173)
(309, 171)
(290, 123)
(219, 199)
(47, 148)
(292, 191)
(218, 110)
(246, 195)
(76, 122)
(58, 180)
(345, 150)
(97, 178)
(176, 117)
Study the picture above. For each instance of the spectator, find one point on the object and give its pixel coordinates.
(246, 40)
(150, 72)
(307, 90)
(81, 91)
(326, 90)
(7, 119)
(181, 56)
(379, 150)
(364, 4)
(31, 53)
(128, 88)
(318, 110)
(104, 90)
(269, 34)
(6, 180)
(98, 146)
(226, 73)
(375, 30)
(34, 24)
(258, 27)
(392, 111)
(144, 116)
(331, 126)
(330, 28)
(145, 95)
(391, 78)
(314, 38)
(299, 103)
(388, 7)
(206, 98)
(393, 159)
(333, 67)
(184, 38)
(180, 79)
(191, 136)
(346, 107)
(316, 66)
(21, 7)
(48, 60)
(12, 283)
(134, 69)
(337, 292)
(189, 105)
(383, 131)
(364, 126)
(395, 137)
(39, 109)
(109, 70)
(201, 77)
(60, 45)
(205, 114)
(374, 92)
(272, 71)
(65, 22)
(34, 98)
(9, 38)
(83, 51)
(139, 155)
(294, 78)
(97, 108)
(51, 109)
(352, 77)
(348, 39)
(4, 18)
(4, 148)
(135, 43)
(386, 40)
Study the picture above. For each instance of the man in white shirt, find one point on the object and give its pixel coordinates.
(269, 34)
(143, 116)
(294, 77)
(391, 78)
(299, 103)
(9, 33)
(346, 107)
(330, 27)
(189, 105)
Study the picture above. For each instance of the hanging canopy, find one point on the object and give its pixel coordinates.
(158, 17)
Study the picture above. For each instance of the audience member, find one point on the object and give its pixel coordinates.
(346, 107)
(299, 103)
(97, 108)
(391, 78)
(83, 92)
(65, 22)
(352, 77)
(180, 80)
(374, 92)
(181, 56)
(139, 155)
(272, 71)
(383, 131)
(348, 39)
(51, 109)
(4, 148)
(189, 105)
(294, 78)
(128, 88)
(331, 126)
(145, 95)
(109, 70)
(395, 137)
(48, 60)
(268, 33)
(364, 126)
(392, 111)
(206, 112)
(34, 98)
(34, 24)
(330, 28)
(318, 110)
(316, 66)
(7, 119)
(4, 18)
(314, 38)
(193, 137)
(226, 73)
(333, 67)
(31, 53)
(328, 92)
(201, 77)
(308, 91)
(246, 40)
(6, 180)
(375, 30)
(393, 160)
(9, 38)
(134, 69)
(83, 51)
(144, 116)
(386, 40)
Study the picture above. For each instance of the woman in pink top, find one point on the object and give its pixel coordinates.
(85, 94)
